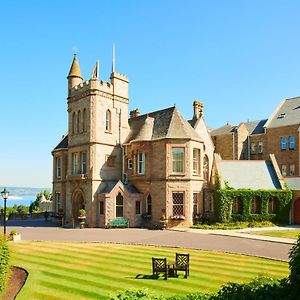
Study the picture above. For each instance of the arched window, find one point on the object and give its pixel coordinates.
(149, 205)
(78, 121)
(119, 206)
(255, 206)
(73, 122)
(84, 120)
(205, 168)
(108, 120)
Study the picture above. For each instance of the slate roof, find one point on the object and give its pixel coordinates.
(256, 127)
(293, 183)
(287, 113)
(63, 144)
(129, 187)
(165, 123)
(254, 174)
(226, 129)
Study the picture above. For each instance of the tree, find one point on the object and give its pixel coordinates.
(294, 263)
(35, 205)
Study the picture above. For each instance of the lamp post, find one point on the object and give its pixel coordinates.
(4, 195)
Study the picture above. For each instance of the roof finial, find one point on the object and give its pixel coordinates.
(95, 73)
(75, 50)
(113, 59)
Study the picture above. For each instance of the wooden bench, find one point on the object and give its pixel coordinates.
(118, 223)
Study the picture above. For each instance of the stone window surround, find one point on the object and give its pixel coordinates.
(77, 164)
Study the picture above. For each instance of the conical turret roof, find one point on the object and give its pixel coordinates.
(75, 69)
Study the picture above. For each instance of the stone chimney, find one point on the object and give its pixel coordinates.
(134, 113)
(198, 109)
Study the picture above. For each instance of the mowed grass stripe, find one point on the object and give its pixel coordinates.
(81, 267)
(136, 260)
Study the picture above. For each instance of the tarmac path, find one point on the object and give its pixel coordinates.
(39, 230)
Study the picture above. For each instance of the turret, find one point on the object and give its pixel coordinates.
(74, 77)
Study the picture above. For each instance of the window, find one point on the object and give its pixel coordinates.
(83, 162)
(237, 206)
(110, 160)
(58, 167)
(178, 160)
(255, 206)
(283, 143)
(260, 147)
(73, 122)
(57, 201)
(141, 163)
(292, 170)
(78, 121)
(149, 205)
(178, 202)
(84, 127)
(138, 207)
(195, 204)
(253, 148)
(272, 205)
(283, 170)
(205, 168)
(119, 206)
(291, 142)
(74, 163)
(196, 160)
(101, 208)
(129, 164)
(108, 120)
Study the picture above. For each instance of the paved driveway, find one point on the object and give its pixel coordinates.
(45, 231)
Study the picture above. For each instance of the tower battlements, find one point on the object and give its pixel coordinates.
(87, 85)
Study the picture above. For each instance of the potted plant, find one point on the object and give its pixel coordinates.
(14, 235)
(82, 217)
(163, 221)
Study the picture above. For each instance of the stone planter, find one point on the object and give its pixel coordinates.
(15, 237)
(82, 221)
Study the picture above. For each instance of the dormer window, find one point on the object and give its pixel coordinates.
(108, 121)
(281, 116)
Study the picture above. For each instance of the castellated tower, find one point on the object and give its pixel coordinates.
(97, 128)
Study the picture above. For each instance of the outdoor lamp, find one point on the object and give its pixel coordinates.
(4, 195)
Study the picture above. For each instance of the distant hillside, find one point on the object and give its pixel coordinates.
(23, 191)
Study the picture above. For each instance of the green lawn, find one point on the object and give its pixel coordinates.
(98, 271)
(292, 234)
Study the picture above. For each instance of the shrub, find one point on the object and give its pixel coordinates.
(4, 259)
(133, 294)
(294, 263)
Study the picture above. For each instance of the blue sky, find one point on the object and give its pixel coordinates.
(239, 57)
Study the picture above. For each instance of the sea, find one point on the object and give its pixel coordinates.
(18, 200)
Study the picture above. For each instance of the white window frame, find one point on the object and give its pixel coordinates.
(178, 164)
(129, 163)
(58, 167)
(260, 147)
(83, 162)
(292, 169)
(291, 142)
(283, 142)
(196, 161)
(108, 121)
(283, 170)
(253, 148)
(141, 163)
(57, 201)
(74, 163)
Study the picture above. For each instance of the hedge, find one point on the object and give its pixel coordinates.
(4, 260)
(224, 197)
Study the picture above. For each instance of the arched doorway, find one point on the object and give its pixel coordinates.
(297, 211)
(78, 202)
